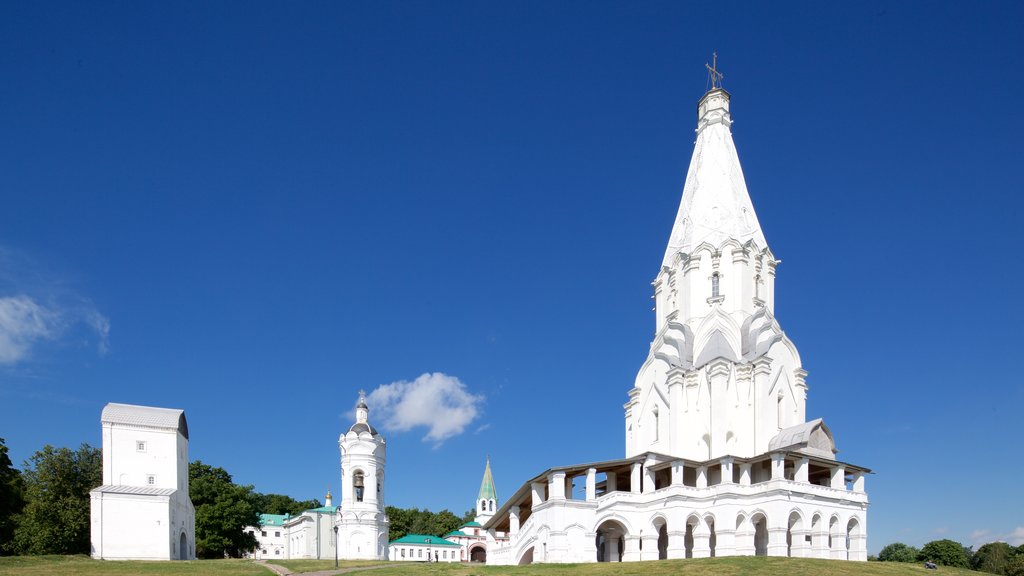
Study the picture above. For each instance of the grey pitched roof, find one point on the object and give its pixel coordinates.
(145, 490)
(802, 438)
(146, 416)
(360, 427)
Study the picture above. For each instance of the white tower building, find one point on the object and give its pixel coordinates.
(720, 458)
(362, 521)
(143, 510)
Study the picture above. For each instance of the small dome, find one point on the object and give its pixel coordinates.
(360, 427)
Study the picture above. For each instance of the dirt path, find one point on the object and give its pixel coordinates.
(282, 571)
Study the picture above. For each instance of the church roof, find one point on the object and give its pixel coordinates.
(324, 510)
(471, 524)
(146, 417)
(715, 205)
(434, 541)
(457, 534)
(812, 437)
(487, 491)
(360, 427)
(137, 490)
(273, 519)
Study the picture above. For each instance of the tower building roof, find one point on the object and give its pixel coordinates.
(145, 417)
(487, 491)
(715, 204)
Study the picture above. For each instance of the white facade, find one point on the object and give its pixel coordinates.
(720, 459)
(311, 534)
(423, 548)
(362, 521)
(143, 511)
(271, 537)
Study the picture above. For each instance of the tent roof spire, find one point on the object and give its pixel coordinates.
(715, 205)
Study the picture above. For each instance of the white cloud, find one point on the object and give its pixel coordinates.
(438, 402)
(25, 323)
(978, 536)
(1016, 538)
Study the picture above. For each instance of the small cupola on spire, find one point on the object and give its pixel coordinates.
(362, 416)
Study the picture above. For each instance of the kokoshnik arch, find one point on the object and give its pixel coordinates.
(720, 458)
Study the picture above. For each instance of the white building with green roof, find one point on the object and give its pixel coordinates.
(423, 548)
(271, 537)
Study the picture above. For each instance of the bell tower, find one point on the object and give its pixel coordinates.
(362, 521)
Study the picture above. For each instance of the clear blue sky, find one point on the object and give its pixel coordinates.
(251, 211)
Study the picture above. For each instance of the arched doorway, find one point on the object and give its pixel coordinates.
(527, 557)
(712, 538)
(663, 541)
(796, 538)
(691, 525)
(478, 553)
(611, 537)
(853, 540)
(760, 523)
(183, 547)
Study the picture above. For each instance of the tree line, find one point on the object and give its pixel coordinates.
(45, 507)
(993, 558)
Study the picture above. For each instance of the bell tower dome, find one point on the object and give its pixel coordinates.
(362, 520)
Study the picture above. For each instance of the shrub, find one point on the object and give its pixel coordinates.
(992, 558)
(898, 552)
(945, 553)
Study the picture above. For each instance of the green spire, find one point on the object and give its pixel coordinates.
(487, 491)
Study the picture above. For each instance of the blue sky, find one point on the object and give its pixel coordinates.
(252, 211)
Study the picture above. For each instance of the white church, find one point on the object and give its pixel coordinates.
(720, 458)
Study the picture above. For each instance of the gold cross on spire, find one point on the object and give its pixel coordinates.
(713, 74)
(362, 394)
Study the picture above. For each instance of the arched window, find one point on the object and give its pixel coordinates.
(358, 484)
(715, 285)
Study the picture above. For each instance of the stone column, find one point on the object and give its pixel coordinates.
(858, 547)
(819, 541)
(778, 466)
(838, 549)
(611, 481)
(802, 470)
(677, 473)
(556, 486)
(726, 464)
(632, 552)
(677, 543)
(858, 482)
(799, 547)
(702, 477)
(591, 484)
(701, 540)
(634, 479)
(745, 538)
(649, 546)
(838, 480)
(536, 494)
(513, 520)
(777, 540)
(649, 482)
(745, 474)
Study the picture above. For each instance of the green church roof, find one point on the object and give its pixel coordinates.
(457, 533)
(487, 491)
(273, 519)
(471, 524)
(421, 539)
(324, 510)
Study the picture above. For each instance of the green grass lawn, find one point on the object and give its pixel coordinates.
(83, 565)
(318, 565)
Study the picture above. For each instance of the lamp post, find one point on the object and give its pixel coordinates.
(335, 545)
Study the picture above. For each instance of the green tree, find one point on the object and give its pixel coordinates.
(945, 553)
(1015, 567)
(12, 497)
(223, 510)
(281, 504)
(469, 516)
(898, 552)
(55, 519)
(992, 558)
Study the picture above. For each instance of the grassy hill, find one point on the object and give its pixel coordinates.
(82, 565)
